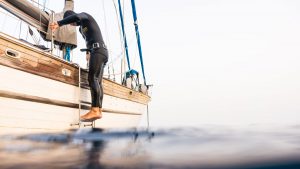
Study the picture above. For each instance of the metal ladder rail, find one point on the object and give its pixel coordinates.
(81, 101)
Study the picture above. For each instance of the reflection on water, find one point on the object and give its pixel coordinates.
(209, 147)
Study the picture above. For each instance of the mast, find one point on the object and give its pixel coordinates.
(34, 16)
(138, 38)
(28, 13)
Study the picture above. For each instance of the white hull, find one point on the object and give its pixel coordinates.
(16, 114)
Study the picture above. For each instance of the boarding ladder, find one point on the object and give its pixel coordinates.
(81, 102)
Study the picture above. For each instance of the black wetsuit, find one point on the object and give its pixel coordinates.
(99, 55)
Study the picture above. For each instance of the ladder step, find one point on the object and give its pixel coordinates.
(91, 124)
(75, 124)
(85, 124)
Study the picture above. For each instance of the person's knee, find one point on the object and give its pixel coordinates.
(91, 77)
(94, 83)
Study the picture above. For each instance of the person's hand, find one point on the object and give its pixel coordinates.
(88, 56)
(54, 26)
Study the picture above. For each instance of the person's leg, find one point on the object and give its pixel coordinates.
(96, 68)
(97, 62)
(95, 82)
(100, 76)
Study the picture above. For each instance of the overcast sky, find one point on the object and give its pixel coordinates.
(211, 61)
(222, 61)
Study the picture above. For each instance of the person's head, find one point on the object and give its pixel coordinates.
(70, 13)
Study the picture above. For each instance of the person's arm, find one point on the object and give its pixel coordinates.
(72, 19)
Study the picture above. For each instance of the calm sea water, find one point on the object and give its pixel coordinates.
(208, 147)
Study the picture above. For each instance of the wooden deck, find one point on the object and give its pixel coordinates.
(22, 56)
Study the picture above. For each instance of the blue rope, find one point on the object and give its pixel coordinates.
(67, 55)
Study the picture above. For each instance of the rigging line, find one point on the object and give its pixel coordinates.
(40, 19)
(44, 5)
(135, 55)
(7, 14)
(124, 33)
(114, 53)
(37, 3)
(118, 56)
(120, 33)
(122, 52)
(106, 32)
(116, 74)
(10, 15)
(123, 12)
(119, 26)
(105, 23)
(123, 7)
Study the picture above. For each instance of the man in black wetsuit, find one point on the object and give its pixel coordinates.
(98, 57)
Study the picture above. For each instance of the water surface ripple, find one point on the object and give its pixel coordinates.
(208, 147)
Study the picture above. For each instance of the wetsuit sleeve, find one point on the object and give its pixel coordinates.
(72, 19)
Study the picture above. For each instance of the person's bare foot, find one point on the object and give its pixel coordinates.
(94, 114)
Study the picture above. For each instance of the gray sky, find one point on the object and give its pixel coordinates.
(222, 61)
(212, 61)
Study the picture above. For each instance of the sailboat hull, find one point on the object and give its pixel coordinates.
(39, 92)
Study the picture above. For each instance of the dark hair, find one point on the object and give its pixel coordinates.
(69, 13)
